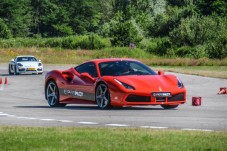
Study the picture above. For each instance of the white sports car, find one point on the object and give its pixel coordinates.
(25, 64)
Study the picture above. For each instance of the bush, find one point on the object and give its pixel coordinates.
(206, 35)
(72, 42)
(150, 45)
(157, 46)
(192, 31)
(122, 31)
(53, 42)
(217, 49)
(163, 24)
(5, 32)
(191, 52)
(121, 52)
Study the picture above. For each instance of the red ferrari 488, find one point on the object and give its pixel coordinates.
(113, 82)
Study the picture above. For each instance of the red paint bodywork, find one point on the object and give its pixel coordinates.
(144, 86)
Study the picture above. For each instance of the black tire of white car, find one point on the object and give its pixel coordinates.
(10, 73)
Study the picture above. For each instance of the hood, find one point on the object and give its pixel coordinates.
(151, 83)
(29, 63)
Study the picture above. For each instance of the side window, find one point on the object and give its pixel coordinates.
(136, 67)
(87, 67)
(32, 59)
(18, 59)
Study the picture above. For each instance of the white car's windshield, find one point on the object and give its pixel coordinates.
(23, 59)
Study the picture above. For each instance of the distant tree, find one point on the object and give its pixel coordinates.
(105, 9)
(130, 21)
(50, 18)
(207, 31)
(17, 16)
(208, 7)
(5, 32)
(63, 18)
(123, 32)
(179, 3)
(84, 15)
(164, 23)
(220, 7)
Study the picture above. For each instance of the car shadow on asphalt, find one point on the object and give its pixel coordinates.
(85, 107)
(12, 75)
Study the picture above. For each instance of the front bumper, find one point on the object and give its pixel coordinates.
(137, 99)
(30, 70)
(130, 99)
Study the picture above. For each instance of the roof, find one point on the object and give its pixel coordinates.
(24, 56)
(111, 59)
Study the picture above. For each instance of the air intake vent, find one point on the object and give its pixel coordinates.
(137, 98)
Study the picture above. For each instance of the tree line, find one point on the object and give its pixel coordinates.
(184, 28)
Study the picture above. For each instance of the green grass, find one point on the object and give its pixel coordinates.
(207, 71)
(107, 139)
(203, 67)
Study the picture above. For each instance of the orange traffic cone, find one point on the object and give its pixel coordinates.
(6, 80)
(223, 91)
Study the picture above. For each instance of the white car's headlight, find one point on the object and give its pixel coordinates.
(19, 64)
(39, 64)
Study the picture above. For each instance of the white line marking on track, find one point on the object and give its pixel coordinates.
(88, 123)
(117, 125)
(47, 119)
(11, 115)
(3, 114)
(95, 123)
(65, 121)
(154, 127)
(21, 117)
(32, 118)
(191, 129)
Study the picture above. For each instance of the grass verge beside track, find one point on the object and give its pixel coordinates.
(206, 71)
(203, 67)
(106, 139)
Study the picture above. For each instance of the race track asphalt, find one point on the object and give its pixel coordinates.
(23, 104)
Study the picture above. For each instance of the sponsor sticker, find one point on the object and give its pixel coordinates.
(161, 94)
(73, 93)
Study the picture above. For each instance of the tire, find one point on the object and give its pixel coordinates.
(169, 106)
(102, 96)
(52, 94)
(15, 70)
(10, 73)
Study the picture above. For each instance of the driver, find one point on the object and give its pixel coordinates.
(124, 69)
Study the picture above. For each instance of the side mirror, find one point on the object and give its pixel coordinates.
(160, 72)
(87, 75)
(12, 60)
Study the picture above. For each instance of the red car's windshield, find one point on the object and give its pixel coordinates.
(119, 68)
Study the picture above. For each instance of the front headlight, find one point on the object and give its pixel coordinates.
(127, 86)
(39, 64)
(180, 84)
(19, 64)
